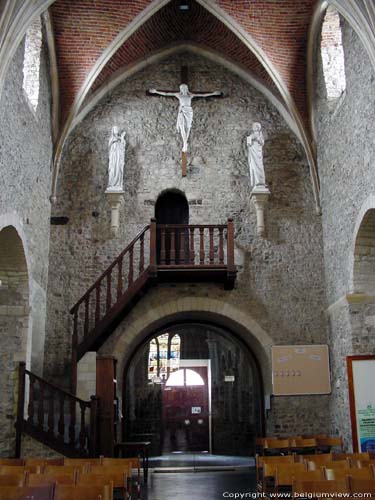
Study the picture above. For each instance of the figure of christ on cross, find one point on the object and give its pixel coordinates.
(185, 113)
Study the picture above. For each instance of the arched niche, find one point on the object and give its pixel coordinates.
(364, 255)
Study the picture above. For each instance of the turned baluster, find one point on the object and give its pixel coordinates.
(51, 414)
(212, 253)
(162, 246)
(97, 305)
(221, 246)
(82, 431)
(119, 278)
(41, 405)
(192, 251)
(109, 290)
(131, 267)
(86, 323)
(61, 424)
(201, 246)
(142, 254)
(30, 407)
(72, 423)
(181, 259)
(173, 247)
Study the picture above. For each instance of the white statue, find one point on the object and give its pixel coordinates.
(116, 163)
(255, 143)
(185, 111)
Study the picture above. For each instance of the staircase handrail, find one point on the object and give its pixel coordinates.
(58, 389)
(109, 268)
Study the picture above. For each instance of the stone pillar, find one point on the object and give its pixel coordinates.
(259, 195)
(114, 199)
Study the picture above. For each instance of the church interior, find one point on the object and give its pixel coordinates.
(187, 234)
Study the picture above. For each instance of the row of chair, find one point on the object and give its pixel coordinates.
(55, 491)
(275, 474)
(350, 487)
(70, 472)
(297, 444)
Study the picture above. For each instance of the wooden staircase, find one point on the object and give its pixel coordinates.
(159, 253)
(175, 253)
(49, 414)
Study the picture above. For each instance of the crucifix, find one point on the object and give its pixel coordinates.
(185, 110)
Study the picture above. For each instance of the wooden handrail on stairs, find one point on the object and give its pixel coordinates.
(51, 417)
(176, 253)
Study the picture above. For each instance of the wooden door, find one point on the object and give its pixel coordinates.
(186, 410)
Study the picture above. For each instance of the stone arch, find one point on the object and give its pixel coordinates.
(359, 22)
(15, 324)
(218, 312)
(362, 255)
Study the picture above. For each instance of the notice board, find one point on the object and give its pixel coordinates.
(300, 369)
(361, 376)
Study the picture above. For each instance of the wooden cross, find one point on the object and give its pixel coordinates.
(185, 112)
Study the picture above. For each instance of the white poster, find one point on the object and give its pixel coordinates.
(364, 399)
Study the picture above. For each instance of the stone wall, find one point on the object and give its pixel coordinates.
(280, 281)
(346, 163)
(25, 163)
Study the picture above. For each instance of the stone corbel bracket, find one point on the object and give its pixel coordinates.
(114, 198)
(260, 195)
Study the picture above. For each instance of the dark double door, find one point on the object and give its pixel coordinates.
(172, 209)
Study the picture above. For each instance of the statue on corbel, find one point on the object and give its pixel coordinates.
(259, 189)
(115, 188)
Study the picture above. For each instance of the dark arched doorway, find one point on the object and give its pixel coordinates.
(171, 211)
(194, 387)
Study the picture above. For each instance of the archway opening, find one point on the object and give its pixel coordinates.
(364, 255)
(194, 387)
(14, 327)
(171, 210)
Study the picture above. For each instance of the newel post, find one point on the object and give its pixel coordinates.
(153, 264)
(20, 406)
(73, 380)
(230, 247)
(93, 438)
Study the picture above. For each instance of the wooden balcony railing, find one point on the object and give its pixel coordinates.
(55, 417)
(158, 253)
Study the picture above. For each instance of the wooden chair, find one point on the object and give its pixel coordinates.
(319, 459)
(12, 461)
(49, 478)
(13, 479)
(357, 485)
(276, 446)
(134, 462)
(79, 492)
(315, 464)
(285, 474)
(325, 444)
(333, 474)
(82, 462)
(303, 445)
(259, 443)
(363, 463)
(308, 488)
(120, 475)
(65, 469)
(261, 460)
(45, 492)
(309, 475)
(18, 469)
(115, 475)
(42, 462)
(351, 456)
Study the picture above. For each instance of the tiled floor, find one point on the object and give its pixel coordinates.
(199, 476)
(199, 485)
